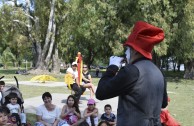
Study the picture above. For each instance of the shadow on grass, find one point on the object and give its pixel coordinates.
(81, 98)
(3, 72)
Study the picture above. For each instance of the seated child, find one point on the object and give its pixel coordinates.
(15, 110)
(4, 113)
(13, 106)
(108, 115)
(91, 113)
(2, 85)
(70, 112)
(104, 123)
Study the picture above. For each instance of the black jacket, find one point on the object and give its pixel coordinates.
(141, 89)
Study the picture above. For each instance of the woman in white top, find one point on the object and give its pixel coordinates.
(48, 113)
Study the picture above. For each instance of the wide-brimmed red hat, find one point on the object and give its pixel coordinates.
(143, 38)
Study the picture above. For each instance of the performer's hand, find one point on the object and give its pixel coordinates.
(115, 60)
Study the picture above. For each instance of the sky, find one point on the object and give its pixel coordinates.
(10, 2)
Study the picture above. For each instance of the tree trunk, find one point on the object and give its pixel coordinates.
(156, 59)
(37, 50)
(189, 70)
(55, 61)
(49, 31)
(43, 65)
(90, 58)
(50, 51)
(37, 55)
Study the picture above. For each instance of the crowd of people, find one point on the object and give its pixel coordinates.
(49, 114)
(139, 84)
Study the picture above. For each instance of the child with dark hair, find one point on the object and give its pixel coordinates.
(13, 106)
(2, 85)
(91, 113)
(108, 115)
(70, 112)
(15, 110)
(4, 113)
(104, 123)
(84, 123)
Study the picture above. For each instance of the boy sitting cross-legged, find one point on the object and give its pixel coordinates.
(108, 115)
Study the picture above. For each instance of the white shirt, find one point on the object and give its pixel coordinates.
(75, 73)
(13, 108)
(0, 97)
(48, 116)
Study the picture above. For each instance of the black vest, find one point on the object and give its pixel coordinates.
(142, 106)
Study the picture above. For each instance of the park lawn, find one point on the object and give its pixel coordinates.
(181, 105)
(181, 94)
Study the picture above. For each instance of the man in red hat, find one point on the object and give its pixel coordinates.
(140, 85)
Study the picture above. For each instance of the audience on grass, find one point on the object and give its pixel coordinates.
(108, 115)
(91, 113)
(4, 117)
(70, 112)
(104, 123)
(47, 113)
(2, 85)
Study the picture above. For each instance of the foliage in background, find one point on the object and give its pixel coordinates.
(12, 35)
(56, 30)
(6, 57)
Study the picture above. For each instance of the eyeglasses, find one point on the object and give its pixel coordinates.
(85, 67)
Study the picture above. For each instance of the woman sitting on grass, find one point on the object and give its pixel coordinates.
(48, 113)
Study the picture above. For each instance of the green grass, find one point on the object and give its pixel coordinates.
(173, 74)
(33, 91)
(181, 105)
(181, 93)
(31, 118)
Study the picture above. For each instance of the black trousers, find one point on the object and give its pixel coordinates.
(79, 90)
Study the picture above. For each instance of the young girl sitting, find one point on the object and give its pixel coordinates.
(91, 113)
(70, 112)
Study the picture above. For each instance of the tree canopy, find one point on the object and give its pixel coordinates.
(55, 30)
